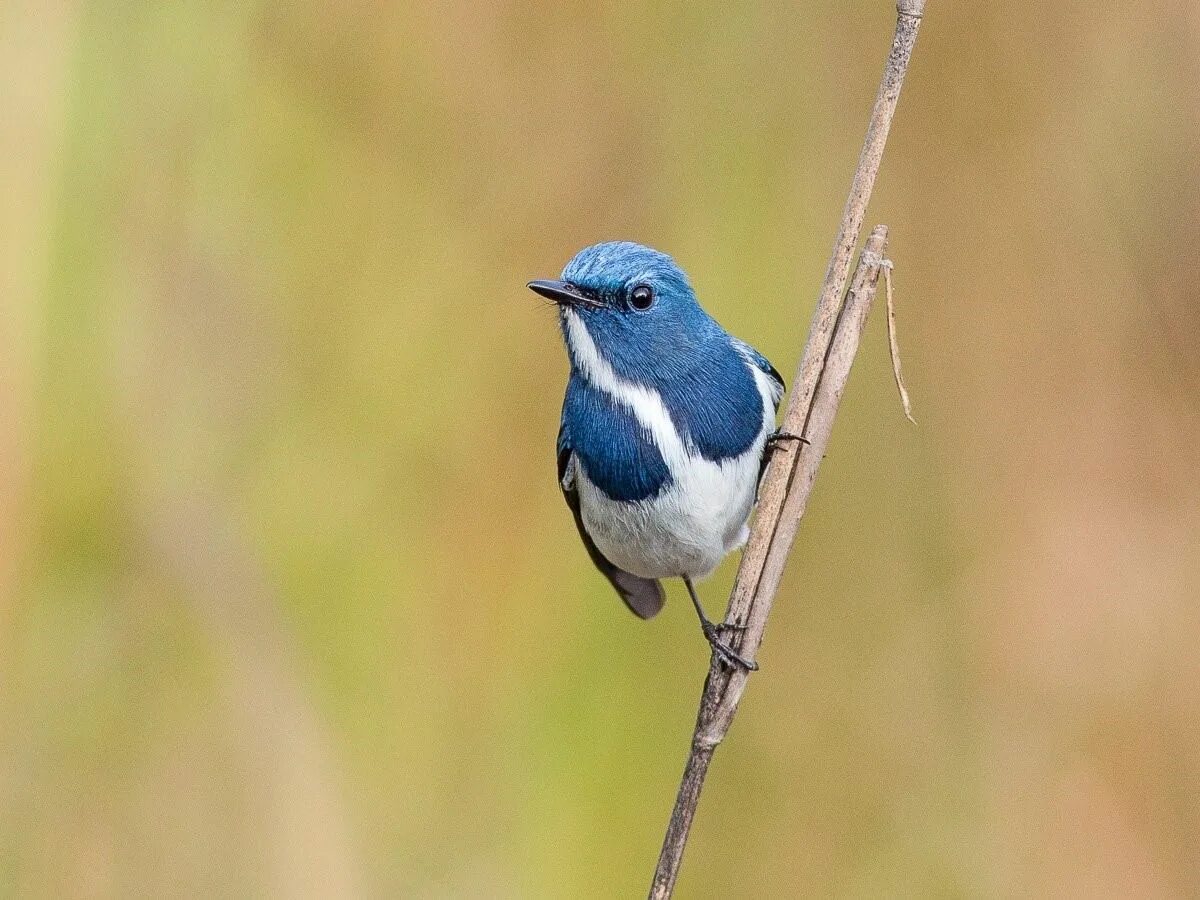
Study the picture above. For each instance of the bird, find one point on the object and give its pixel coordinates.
(666, 425)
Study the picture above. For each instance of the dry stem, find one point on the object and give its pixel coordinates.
(894, 344)
(817, 389)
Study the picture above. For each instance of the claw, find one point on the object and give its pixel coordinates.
(775, 439)
(726, 653)
(712, 634)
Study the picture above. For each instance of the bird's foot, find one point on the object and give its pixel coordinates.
(725, 653)
(777, 438)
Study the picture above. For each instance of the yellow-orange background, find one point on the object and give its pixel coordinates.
(289, 603)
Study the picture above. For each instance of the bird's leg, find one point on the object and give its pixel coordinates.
(712, 634)
(779, 436)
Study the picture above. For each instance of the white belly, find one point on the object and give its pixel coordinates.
(688, 528)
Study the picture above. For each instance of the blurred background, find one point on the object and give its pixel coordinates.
(290, 605)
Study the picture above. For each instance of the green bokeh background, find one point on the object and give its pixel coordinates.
(289, 603)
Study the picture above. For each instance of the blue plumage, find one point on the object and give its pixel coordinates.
(664, 423)
(715, 405)
(618, 453)
(673, 347)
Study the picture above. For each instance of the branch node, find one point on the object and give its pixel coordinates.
(874, 260)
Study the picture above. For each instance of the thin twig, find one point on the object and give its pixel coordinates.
(893, 343)
(716, 708)
(817, 388)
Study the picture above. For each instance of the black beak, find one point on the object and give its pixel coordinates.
(563, 293)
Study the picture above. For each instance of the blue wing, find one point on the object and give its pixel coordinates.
(763, 364)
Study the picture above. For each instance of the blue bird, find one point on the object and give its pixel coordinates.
(665, 424)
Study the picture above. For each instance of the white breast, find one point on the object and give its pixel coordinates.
(688, 528)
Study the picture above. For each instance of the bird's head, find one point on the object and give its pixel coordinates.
(634, 306)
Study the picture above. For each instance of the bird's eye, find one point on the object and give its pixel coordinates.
(642, 297)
